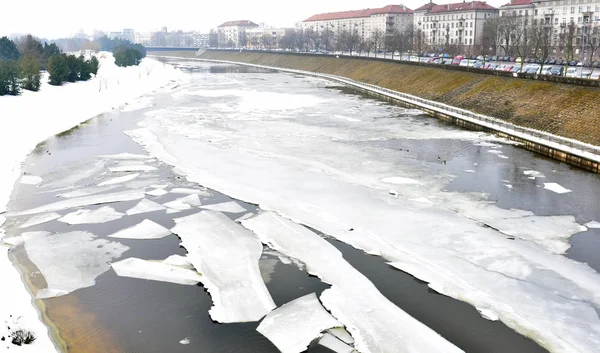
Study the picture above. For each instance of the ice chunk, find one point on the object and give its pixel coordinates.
(400, 180)
(132, 168)
(31, 180)
(172, 210)
(533, 174)
(190, 191)
(120, 179)
(146, 229)
(178, 260)
(156, 271)
(75, 175)
(159, 186)
(177, 205)
(87, 191)
(144, 206)
(245, 216)
(330, 341)
(593, 224)
(469, 171)
(294, 325)
(229, 207)
(557, 188)
(376, 324)
(157, 192)
(488, 314)
(142, 183)
(227, 255)
(70, 261)
(13, 241)
(126, 156)
(185, 341)
(192, 200)
(100, 215)
(342, 335)
(39, 219)
(83, 201)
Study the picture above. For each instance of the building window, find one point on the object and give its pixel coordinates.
(526, 12)
(579, 19)
(536, 12)
(556, 21)
(580, 9)
(572, 9)
(520, 12)
(470, 40)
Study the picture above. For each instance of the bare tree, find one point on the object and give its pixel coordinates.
(524, 46)
(593, 40)
(418, 42)
(326, 38)
(377, 38)
(566, 40)
(543, 38)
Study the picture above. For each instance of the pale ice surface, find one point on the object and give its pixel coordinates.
(144, 206)
(593, 224)
(146, 229)
(192, 200)
(342, 334)
(157, 192)
(399, 180)
(39, 219)
(227, 256)
(31, 180)
(155, 271)
(128, 195)
(376, 324)
(557, 188)
(177, 205)
(294, 325)
(100, 215)
(317, 173)
(140, 103)
(87, 191)
(330, 341)
(190, 191)
(178, 260)
(68, 105)
(70, 261)
(534, 174)
(229, 206)
(132, 168)
(126, 155)
(119, 180)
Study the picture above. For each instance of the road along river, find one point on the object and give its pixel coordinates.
(414, 235)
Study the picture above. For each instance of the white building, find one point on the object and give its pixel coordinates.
(143, 38)
(453, 24)
(364, 22)
(266, 37)
(233, 33)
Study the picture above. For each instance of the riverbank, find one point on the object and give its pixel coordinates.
(31, 118)
(564, 110)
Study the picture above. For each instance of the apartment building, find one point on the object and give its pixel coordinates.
(364, 22)
(233, 33)
(266, 37)
(459, 23)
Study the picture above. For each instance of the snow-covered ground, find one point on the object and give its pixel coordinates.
(32, 117)
(290, 153)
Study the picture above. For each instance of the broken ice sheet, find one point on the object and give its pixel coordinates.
(229, 207)
(190, 191)
(39, 219)
(31, 180)
(144, 206)
(126, 156)
(120, 179)
(557, 188)
(146, 229)
(156, 192)
(533, 174)
(69, 261)
(184, 203)
(100, 215)
(294, 325)
(132, 168)
(330, 341)
(227, 255)
(156, 271)
(82, 201)
(593, 224)
(87, 191)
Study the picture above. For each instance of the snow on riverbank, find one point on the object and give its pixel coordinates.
(32, 117)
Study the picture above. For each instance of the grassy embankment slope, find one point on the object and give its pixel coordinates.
(566, 110)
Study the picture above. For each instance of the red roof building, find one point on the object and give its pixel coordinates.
(343, 15)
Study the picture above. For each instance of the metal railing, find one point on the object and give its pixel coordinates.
(571, 146)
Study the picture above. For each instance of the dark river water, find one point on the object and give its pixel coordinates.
(120, 314)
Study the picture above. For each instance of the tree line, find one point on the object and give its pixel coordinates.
(21, 62)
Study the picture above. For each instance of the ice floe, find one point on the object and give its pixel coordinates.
(146, 229)
(190, 191)
(593, 224)
(534, 174)
(39, 219)
(87, 191)
(128, 195)
(229, 207)
(144, 206)
(13, 241)
(31, 180)
(342, 335)
(76, 174)
(185, 341)
(156, 271)
(400, 180)
(330, 341)
(227, 256)
(69, 261)
(294, 325)
(157, 192)
(126, 156)
(376, 324)
(119, 180)
(347, 118)
(99, 215)
(557, 188)
(469, 171)
(179, 261)
(132, 168)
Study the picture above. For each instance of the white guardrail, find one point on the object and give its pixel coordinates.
(571, 146)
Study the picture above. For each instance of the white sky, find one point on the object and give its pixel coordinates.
(199, 15)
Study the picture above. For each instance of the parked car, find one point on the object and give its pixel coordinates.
(494, 58)
(552, 62)
(596, 64)
(507, 68)
(478, 65)
(585, 73)
(515, 69)
(557, 71)
(499, 68)
(492, 66)
(511, 59)
(526, 60)
(546, 70)
(457, 60)
(573, 63)
(595, 75)
(572, 72)
(464, 62)
(447, 61)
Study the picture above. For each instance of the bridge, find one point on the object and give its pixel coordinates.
(171, 49)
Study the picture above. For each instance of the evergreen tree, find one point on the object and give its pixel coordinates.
(84, 69)
(58, 69)
(30, 69)
(9, 78)
(50, 49)
(8, 50)
(73, 65)
(31, 46)
(94, 65)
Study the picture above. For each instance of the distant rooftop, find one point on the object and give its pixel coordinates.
(239, 23)
(359, 13)
(456, 7)
(518, 3)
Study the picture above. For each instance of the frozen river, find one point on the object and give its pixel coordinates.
(479, 246)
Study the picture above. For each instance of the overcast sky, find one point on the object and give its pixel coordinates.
(46, 19)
